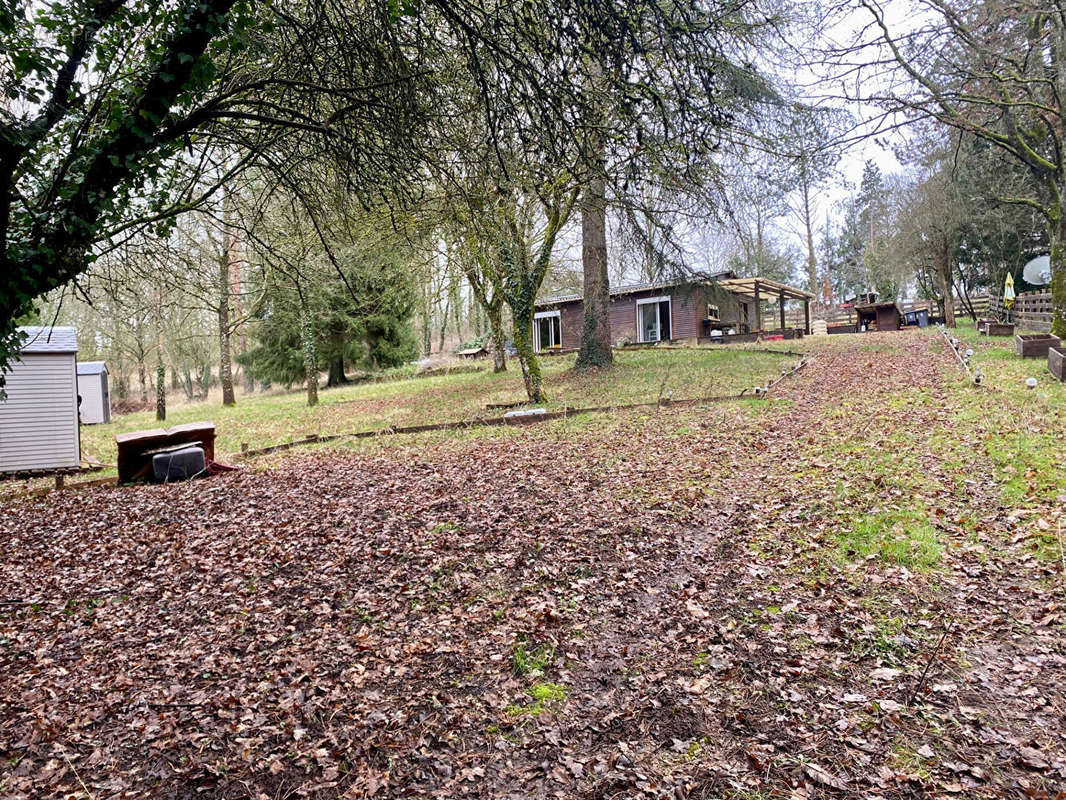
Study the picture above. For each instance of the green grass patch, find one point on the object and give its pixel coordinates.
(1020, 429)
(528, 658)
(887, 635)
(544, 696)
(1027, 464)
(904, 537)
(907, 760)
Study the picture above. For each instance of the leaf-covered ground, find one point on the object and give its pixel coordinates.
(855, 590)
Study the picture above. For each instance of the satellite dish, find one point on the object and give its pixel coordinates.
(1038, 271)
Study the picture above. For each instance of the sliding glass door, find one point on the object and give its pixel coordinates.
(547, 331)
(653, 319)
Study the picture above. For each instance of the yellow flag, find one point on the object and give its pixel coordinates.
(1008, 292)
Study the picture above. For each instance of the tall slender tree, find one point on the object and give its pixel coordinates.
(519, 231)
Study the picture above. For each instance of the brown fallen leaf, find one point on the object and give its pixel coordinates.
(824, 777)
(1032, 758)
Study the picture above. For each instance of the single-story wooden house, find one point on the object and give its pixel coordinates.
(882, 316)
(95, 398)
(720, 306)
(39, 418)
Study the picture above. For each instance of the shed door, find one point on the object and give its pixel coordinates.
(106, 396)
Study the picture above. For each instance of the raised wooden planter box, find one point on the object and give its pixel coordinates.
(1056, 362)
(1035, 345)
(999, 329)
(981, 324)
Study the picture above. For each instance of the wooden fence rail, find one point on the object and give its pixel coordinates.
(835, 315)
(1032, 310)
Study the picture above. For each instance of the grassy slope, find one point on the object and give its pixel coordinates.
(1020, 431)
(639, 376)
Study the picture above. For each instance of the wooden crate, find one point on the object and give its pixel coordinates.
(999, 329)
(1056, 362)
(1035, 345)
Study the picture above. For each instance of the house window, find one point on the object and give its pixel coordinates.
(653, 319)
(714, 314)
(547, 331)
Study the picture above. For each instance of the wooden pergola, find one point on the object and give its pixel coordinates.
(759, 289)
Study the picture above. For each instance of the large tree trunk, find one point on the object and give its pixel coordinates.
(475, 315)
(336, 375)
(523, 342)
(1057, 236)
(596, 332)
(496, 337)
(493, 312)
(964, 296)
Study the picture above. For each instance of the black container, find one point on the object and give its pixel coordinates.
(178, 465)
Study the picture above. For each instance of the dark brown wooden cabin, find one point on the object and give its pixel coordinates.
(877, 317)
(656, 312)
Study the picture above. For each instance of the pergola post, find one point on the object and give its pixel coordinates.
(758, 307)
(806, 316)
(781, 308)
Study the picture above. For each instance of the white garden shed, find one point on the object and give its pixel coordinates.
(39, 418)
(92, 388)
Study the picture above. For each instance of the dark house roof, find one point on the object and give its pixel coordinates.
(633, 288)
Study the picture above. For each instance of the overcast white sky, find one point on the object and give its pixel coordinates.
(812, 86)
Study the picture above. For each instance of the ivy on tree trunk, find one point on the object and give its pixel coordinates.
(1057, 235)
(160, 392)
(225, 345)
(521, 272)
